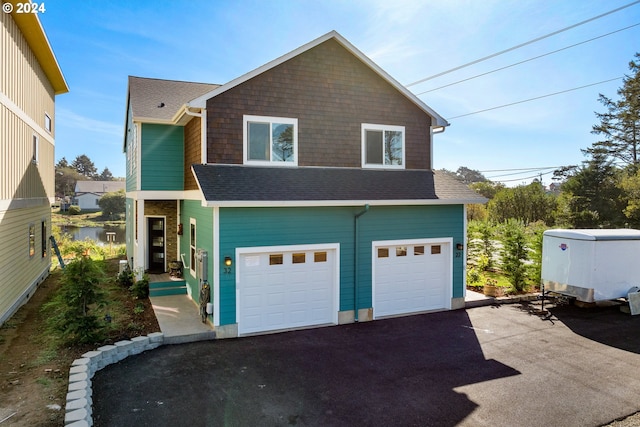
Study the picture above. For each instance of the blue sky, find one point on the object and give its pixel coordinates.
(99, 43)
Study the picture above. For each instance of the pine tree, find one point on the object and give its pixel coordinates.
(620, 124)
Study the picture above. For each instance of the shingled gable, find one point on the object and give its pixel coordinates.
(234, 185)
(200, 102)
(160, 101)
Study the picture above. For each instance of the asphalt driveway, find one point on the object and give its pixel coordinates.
(486, 366)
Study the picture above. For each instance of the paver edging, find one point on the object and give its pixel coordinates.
(78, 408)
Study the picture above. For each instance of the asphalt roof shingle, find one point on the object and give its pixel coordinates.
(99, 186)
(238, 183)
(146, 95)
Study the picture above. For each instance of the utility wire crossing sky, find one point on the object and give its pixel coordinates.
(503, 116)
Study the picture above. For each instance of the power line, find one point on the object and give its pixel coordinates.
(522, 44)
(526, 177)
(518, 173)
(522, 169)
(528, 60)
(537, 171)
(533, 99)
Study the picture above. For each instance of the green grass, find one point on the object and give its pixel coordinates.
(89, 219)
(47, 354)
(46, 382)
(500, 278)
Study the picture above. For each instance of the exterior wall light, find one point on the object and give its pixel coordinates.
(459, 246)
(228, 261)
(437, 129)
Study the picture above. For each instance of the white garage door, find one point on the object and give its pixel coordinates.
(411, 277)
(286, 287)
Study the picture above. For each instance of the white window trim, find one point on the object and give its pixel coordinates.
(47, 120)
(32, 225)
(193, 246)
(268, 119)
(35, 141)
(370, 126)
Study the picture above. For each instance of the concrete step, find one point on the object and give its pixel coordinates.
(163, 292)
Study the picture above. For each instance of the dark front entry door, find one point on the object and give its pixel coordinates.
(156, 245)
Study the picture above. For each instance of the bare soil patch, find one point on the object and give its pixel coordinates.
(34, 371)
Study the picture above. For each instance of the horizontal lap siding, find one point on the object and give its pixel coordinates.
(132, 152)
(204, 239)
(285, 226)
(410, 222)
(18, 270)
(250, 227)
(162, 157)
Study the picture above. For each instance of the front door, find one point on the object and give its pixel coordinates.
(156, 245)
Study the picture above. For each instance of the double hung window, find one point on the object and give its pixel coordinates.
(270, 140)
(382, 146)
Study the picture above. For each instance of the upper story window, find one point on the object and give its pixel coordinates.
(382, 146)
(270, 140)
(47, 122)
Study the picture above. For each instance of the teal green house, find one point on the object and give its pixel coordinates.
(301, 193)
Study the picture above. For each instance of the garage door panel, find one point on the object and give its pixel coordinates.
(417, 281)
(296, 293)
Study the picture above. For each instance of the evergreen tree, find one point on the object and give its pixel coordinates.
(84, 166)
(514, 253)
(594, 195)
(105, 175)
(620, 124)
(62, 163)
(66, 178)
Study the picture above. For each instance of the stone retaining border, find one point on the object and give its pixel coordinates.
(78, 411)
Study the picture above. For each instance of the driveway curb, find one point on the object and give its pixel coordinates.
(78, 412)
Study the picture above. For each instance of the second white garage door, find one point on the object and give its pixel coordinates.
(286, 287)
(411, 276)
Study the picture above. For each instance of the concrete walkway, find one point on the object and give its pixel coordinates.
(179, 320)
(477, 299)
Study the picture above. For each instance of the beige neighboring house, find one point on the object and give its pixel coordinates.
(30, 78)
(88, 193)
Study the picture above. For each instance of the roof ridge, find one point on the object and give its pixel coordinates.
(173, 80)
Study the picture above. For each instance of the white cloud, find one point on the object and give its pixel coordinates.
(69, 119)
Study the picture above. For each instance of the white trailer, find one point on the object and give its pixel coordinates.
(591, 265)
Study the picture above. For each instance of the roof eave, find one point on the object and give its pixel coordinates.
(34, 34)
(201, 101)
(341, 203)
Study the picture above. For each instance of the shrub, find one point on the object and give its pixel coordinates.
(74, 210)
(71, 310)
(535, 244)
(514, 253)
(126, 277)
(113, 203)
(140, 288)
(473, 276)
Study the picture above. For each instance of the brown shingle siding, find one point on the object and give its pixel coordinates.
(192, 148)
(331, 93)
